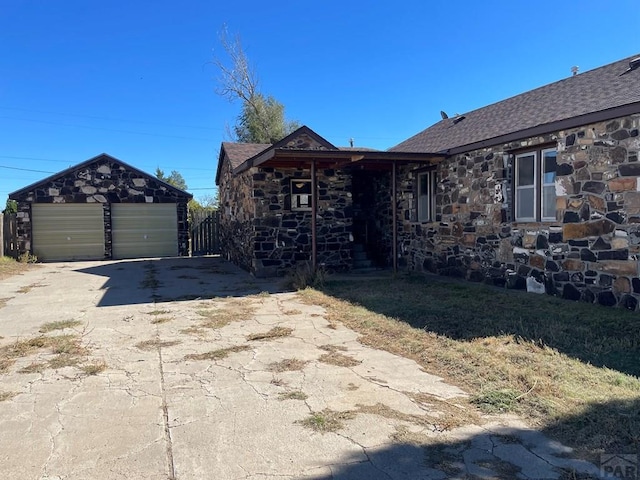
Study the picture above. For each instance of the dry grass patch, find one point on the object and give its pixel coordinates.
(160, 320)
(293, 311)
(94, 368)
(34, 367)
(326, 421)
(339, 359)
(69, 344)
(154, 344)
(28, 288)
(275, 332)
(158, 312)
(6, 364)
(59, 325)
(293, 395)
(278, 382)
(287, 365)
(538, 356)
(334, 357)
(230, 310)
(10, 267)
(3, 301)
(63, 360)
(67, 350)
(7, 395)
(216, 354)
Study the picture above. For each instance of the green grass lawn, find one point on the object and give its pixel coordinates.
(568, 368)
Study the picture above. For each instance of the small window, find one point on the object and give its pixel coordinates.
(425, 197)
(535, 190)
(300, 194)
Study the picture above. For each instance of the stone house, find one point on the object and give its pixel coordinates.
(306, 200)
(542, 186)
(538, 191)
(99, 209)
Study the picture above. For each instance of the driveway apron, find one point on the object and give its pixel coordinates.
(192, 369)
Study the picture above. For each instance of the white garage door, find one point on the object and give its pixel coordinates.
(67, 231)
(144, 230)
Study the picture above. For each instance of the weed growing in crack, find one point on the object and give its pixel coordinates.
(326, 421)
(216, 354)
(333, 348)
(278, 382)
(159, 320)
(94, 368)
(154, 344)
(34, 367)
(339, 360)
(286, 365)
(7, 395)
(59, 325)
(63, 360)
(275, 332)
(3, 301)
(293, 395)
(5, 364)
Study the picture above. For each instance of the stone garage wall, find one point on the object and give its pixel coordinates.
(262, 234)
(104, 181)
(237, 212)
(589, 253)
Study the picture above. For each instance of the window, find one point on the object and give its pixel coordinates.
(425, 196)
(535, 190)
(300, 194)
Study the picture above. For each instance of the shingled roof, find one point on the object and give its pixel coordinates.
(596, 95)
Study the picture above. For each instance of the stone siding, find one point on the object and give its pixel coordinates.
(589, 253)
(261, 233)
(104, 181)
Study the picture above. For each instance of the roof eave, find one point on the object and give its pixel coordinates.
(573, 122)
(345, 156)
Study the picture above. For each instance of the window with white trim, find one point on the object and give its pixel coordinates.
(425, 196)
(535, 190)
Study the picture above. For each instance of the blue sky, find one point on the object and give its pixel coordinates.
(135, 79)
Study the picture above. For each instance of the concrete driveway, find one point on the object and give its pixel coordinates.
(192, 369)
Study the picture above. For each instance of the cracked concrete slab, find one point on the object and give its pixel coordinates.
(179, 399)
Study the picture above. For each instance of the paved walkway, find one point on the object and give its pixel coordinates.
(192, 369)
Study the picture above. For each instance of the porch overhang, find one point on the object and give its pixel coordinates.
(359, 159)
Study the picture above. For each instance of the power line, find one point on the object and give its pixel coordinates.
(107, 129)
(25, 169)
(111, 119)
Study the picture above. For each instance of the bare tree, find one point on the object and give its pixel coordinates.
(262, 117)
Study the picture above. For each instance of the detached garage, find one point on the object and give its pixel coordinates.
(102, 209)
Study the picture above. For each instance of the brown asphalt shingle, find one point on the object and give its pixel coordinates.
(592, 91)
(237, 153)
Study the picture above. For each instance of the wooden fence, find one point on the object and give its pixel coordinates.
(8, 235)
(204, 233)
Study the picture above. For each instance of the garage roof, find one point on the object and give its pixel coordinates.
(103, 157)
